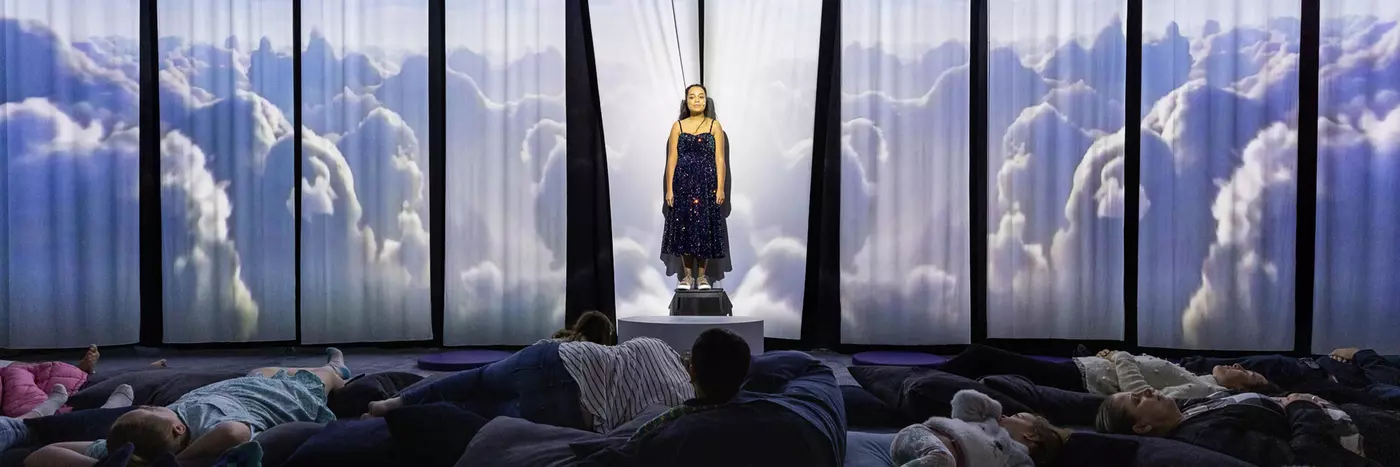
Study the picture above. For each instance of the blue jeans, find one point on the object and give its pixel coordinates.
(13, 432)
(532, 384)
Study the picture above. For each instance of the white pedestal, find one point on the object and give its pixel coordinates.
(680, 331)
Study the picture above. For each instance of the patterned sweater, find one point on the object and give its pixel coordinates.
(1127, 373)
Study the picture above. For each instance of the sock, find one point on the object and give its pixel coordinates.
(121, 397)
(335, 359)
(57, 397)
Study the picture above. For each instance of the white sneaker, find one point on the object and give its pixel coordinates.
(684, 284)
(704, 284)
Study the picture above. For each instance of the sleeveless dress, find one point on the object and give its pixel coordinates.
(695, 226)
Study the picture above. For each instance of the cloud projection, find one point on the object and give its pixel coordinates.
(506, 163)
(228, 230)
(1055, 164)
(905, 255)
(1218, 170)
(69, 173)
(642, 75)
(1357, 279)
(364, 205)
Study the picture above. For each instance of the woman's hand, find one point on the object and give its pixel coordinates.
(1345, 355)
(670, 198)
(1300, 397)
(1105, 354)
(719, 196)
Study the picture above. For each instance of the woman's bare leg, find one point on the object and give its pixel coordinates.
(330, 374)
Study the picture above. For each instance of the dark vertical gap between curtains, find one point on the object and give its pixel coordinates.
(152, 325)
(1132, 138)
(700, 13)
(977, 183)
(437, 159)
(1308, 64)
(821, 301)
(296, 148)
(589, 285)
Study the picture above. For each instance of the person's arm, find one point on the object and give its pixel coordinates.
(1311, 440)
(720, 163)
(671, 156)
(224, 436)
(61, 455)
(1129, 375)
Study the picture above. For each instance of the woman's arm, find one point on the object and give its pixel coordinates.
(720, 163)
(1129, 376)
(671, 154)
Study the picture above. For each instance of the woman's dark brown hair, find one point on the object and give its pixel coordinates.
(1048, 442)
(595, 327)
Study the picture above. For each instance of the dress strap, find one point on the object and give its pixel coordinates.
(711, 129)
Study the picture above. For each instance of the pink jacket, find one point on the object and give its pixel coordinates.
(24, 386)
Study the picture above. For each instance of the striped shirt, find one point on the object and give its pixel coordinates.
(617, 383)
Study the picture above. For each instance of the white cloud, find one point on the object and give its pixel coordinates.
(1246, 299)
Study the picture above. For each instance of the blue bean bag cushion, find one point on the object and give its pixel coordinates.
(1061, 407)
(864, 410)
(868, 449)
(919, 393)
(1089, 449)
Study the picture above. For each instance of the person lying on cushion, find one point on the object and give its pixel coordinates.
(781, 408)
(1102, 374)
(1300, 429)
(977, 435)
(571, 382)
(1348, 375)
(201, 425)
(20, 431)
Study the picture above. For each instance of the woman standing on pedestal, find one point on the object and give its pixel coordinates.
(695, 167)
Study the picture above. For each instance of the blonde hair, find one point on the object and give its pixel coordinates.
(150, 436)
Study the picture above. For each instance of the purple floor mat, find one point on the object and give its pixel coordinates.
(897, 358)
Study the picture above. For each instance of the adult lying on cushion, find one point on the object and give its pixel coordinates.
(1101, 374)
(1269, 432)
(206, 422)
(787, 412)
(1348, 375)
(575, 383)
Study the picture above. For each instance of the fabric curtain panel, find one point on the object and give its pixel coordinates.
(1219, 169)
(761, 71)
(227, 155)
(507, 172)
(905, 253)
(647, 52)
(1055, 182)
(69, 173)
(365, 272)
(1357, 281)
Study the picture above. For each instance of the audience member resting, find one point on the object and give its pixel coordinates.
(15, 431)
(1102, 374)
(1348, 375)
(977, 435)
(781, 408)
(1301, 429)
(204, 423)
(575, 382)
(25, 386)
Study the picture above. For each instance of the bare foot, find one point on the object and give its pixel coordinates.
(159, 363)
(89, 362)
(380, 408)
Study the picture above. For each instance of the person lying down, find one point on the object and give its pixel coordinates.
(206, 422)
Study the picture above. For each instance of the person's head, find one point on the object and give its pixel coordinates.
(1145, 412)
(152, 431)
(719, 362)
(697, 102)
(594, 327)
(1235, 377)
(1042, 439)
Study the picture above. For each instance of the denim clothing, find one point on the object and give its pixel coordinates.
(532, 384)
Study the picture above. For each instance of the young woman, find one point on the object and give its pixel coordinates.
(695, 166)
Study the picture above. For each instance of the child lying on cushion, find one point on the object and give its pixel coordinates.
(973, 437)
(201, 425)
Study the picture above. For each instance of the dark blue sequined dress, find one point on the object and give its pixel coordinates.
(695, 226)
